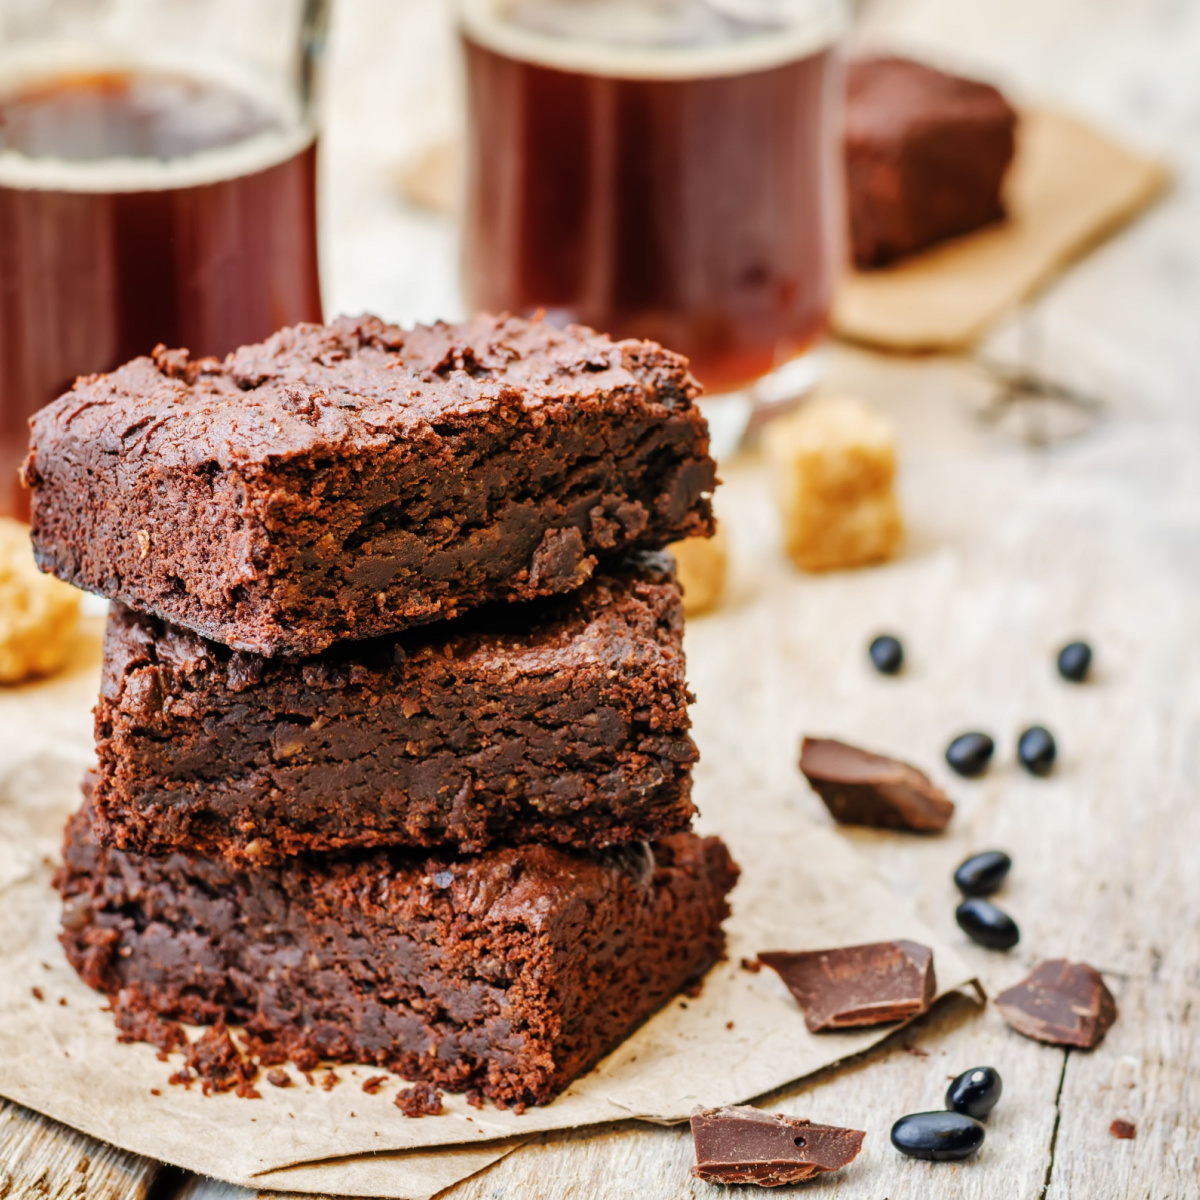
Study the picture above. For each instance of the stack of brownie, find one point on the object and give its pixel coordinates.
(394, 764)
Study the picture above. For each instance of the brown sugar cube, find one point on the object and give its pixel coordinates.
(38, 615)
(834, 464)
(701, 565)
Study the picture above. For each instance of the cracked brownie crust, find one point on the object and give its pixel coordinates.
(356, 479)
(511, 972)
(561, 721)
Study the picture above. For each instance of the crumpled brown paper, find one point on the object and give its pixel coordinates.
(802, 887)
(1068, 188)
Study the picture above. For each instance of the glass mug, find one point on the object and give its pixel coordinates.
(157, 184)
(667, 169)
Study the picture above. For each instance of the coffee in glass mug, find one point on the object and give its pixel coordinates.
(658, 168)
(157, 184)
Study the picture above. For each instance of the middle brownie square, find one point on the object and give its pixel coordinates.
(560, 721)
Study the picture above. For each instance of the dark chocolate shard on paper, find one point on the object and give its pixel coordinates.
(744, 1145)
(857, 985)
(1060, 1002)
(862, 788)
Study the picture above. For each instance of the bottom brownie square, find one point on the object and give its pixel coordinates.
(511, 972)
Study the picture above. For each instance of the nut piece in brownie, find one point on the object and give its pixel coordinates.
(511, 972)
(564, 720)
(926, 155)
(356, 479)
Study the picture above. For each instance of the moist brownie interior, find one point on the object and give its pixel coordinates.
(511, 972)
(563, 720)
(356, 479)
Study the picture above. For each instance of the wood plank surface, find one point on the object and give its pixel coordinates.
(40, 1158)
(1013, 549)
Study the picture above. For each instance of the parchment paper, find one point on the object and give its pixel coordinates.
(802, 887)
(1069, 187)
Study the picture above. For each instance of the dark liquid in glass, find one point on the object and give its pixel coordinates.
(92, 278)
(695, 211)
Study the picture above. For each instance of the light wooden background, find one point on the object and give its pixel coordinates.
(1012, 549)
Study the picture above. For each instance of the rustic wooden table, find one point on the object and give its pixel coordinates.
(1014, 547)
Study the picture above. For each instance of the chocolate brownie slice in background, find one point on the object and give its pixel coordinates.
(926, 156)
(356, 479)
(511, 972)
(564, 720)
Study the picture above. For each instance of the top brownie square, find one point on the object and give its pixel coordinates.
(345, 481)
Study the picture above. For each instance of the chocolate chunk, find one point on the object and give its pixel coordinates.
(861, 788)
(1060, 1002)
(743, 1145)
(857, 985)
(1125, 1130)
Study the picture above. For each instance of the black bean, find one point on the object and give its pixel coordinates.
(975, 1092)
(986, 924)
(1074, 661)
(1036, 750)
(937, 1136)
(970, 753)
(887, 654)
(982, 874)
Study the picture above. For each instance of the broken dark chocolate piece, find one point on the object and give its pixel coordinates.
(1060, 1002)
(861, 788)
(744, 1145)
(857, 985)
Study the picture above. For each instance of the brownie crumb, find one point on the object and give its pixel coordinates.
(752, 965)
(372, 1085)
(83, 1165)
(136, 1022)
(62, 1002)
(37, 993)
(694, 988)
(306, 1060)
(420, 1100)
(308, 1078)
(278, 1077)
(474, 1097)
(219, 1063)
(267, 1051)
(728, 1024)
(1125, 1130)
(182, 1076)
(331, 1080)
(156, 1091)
